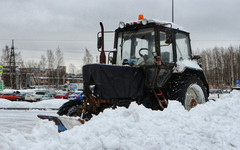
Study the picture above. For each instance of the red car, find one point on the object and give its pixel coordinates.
(62, 95)
(10, 96)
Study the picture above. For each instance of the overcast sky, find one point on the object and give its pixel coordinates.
(38, 25)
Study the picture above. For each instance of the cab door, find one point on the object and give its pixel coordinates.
(157, 75)
(167, 56)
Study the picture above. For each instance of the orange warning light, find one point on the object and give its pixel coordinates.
(140, 17)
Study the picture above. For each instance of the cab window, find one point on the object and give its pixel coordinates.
(182, 46)
(166, 49)
(137, 47)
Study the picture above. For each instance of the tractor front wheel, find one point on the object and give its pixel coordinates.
(189, 90)
(71, 108)
(194, 95)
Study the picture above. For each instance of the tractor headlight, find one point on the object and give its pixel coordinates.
(121, 24)
(144, 21)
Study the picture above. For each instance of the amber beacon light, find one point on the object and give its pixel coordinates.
(140, 17)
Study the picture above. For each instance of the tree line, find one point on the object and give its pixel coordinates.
(51, 60)
(221, 66)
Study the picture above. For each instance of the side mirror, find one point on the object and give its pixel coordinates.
(99, 42)
(168, 36)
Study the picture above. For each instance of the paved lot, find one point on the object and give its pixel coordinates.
(21, 120)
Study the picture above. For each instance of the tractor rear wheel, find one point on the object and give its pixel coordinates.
(189, 90)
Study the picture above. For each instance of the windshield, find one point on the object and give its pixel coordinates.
(136, 47)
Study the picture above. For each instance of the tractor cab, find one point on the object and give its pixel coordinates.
(144, 65)
(154, 45)
(146, 42)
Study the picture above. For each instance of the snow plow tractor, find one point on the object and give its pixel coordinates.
(151, 63)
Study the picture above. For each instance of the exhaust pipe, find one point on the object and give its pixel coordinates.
(102, 55)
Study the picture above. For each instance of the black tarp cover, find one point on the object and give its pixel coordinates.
(113, 82)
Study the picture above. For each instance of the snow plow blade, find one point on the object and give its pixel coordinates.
(63, 123)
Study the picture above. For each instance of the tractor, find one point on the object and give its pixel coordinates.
(150, 64)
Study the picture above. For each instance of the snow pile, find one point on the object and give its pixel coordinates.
(53, 103)
(214, 125)
(21, 91)
(181, 65)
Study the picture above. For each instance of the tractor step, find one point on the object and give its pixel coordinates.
(162, 101)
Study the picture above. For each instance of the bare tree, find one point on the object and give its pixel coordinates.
(231, 53)
(221, 66)
(79, 71)
(88, 58)
(42, 62)
(72, 68)
(31, 64)
(19, 60)
(5, 58)
(50, 59)
(59, 57)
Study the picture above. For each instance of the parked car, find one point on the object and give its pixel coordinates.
(39, 95)
(227, 91)
(215, 94)
(63, 95)
(74, 95)
(216, 91)
(10, 96)
(21, 96)
(36, 95)
(29, 96)
(48, 96)
(235, 88)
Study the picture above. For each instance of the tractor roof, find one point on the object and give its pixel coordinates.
(145, 21)
(167, 24)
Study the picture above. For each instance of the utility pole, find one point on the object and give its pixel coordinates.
(173, 11)
(232, 72)
(12, 66)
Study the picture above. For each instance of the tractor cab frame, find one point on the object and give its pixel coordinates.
(153, 45)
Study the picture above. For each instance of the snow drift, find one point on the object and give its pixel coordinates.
(53, 103)
(214, 125)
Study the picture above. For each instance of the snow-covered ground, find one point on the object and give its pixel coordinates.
(214, 126)
(52, 103)
(20, 120)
